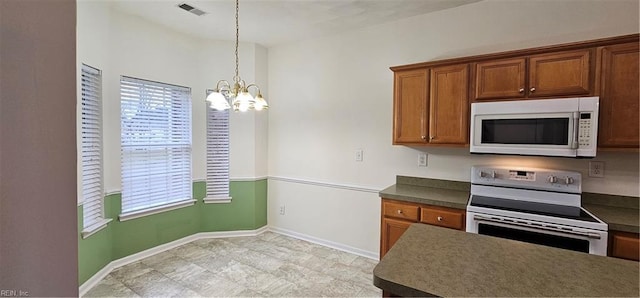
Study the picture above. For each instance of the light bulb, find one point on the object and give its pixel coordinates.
(243, 101)
(218, 101)
(260, 103)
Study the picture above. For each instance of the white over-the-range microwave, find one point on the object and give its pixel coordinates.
(548, 127)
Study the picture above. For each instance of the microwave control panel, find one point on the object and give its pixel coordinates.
(584, 130)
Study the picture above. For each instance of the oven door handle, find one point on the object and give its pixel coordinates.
(544, 228)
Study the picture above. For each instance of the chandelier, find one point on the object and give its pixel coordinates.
(238, 94)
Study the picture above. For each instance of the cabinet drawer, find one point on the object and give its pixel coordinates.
(625, 245)
(398, 210)
(444, 217)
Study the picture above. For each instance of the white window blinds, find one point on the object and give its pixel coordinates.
(91, 133)
(217, 155)
(156, 145)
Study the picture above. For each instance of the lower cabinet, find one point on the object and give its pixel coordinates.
(624, 245)
(397, 216)
(392, 229)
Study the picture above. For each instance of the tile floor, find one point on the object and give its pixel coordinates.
(266, 265)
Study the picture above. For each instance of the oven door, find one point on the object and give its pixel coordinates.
(554, 235)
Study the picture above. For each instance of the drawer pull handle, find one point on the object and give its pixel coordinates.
(440, 218)
(399, 211)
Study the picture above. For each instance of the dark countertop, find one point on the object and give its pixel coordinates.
(429, 260)
(445, 193)
(427, 195)
(621, 213)
(617, 218)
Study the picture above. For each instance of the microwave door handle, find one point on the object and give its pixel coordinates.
(576, 127)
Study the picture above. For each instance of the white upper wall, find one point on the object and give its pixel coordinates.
(332, 95)
(122, 44)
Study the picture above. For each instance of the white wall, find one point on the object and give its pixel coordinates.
(332, 95)
(122, 44)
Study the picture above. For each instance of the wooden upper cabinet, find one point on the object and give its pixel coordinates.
(563, 73)
(431, 99)
(500, 79)
(619, 96)
(410, 106)
(568, 73)
(449, 104)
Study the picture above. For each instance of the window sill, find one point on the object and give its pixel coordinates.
(217, 200)
(155, 210)
(92, 229)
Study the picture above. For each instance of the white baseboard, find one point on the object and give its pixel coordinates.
(102, 273)
(327, 243)
(95, 279)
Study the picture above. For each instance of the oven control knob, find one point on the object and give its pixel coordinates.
(491, 174)
(568, 180)
(552, 179)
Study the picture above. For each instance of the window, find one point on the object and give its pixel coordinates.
(217, 156)
(91, 150)
(156, 147)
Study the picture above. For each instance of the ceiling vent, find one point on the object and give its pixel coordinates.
(191, 9)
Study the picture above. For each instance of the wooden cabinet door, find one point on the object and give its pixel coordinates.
(410, 106)
(619, 99)
(563, 73)
(625, 245)
(449, 104)
(392, 229)
(500, 79)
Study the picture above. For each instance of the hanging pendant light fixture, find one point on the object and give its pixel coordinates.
(238, 94)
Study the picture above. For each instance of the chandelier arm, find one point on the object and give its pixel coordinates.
(254, 85)
(225, 84)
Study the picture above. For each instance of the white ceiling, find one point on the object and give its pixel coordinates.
(271, 22)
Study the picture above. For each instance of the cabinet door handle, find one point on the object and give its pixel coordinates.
(440, 218)
(424, 137)
(533, 89)
(521, 90)
(431, 137)
(399, 211)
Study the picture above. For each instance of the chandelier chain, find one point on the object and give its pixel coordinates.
(237, 77)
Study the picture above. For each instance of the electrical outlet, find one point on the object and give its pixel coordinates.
(359, 155)
(596, 169)
(422, 159)
(282, 209)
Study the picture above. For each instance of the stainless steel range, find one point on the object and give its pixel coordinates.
(534, 205)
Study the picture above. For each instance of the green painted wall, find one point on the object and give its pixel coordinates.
(94, 252)
(142, 233)
(261, 203)
(247, 211)
(248, 200)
